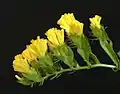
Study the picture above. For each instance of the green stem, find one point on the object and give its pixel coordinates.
(80, 68)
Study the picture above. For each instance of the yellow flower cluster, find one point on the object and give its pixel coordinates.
(32, 52)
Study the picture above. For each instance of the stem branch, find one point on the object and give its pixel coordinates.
(80, 68)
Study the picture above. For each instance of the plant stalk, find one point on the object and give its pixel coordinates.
(80, 68)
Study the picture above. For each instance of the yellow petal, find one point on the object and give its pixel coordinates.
(42, 46)
(60, 36)
(76, 28)
(30, 56)
(51, 35)
(32, 48)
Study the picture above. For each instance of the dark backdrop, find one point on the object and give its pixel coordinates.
(20, 21)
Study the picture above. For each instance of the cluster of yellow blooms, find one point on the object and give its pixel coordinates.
(32, 52)
(39, 47)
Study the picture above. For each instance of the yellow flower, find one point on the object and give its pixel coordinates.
(66, 20)
(20, 64)
(38, 47)
(95, 22)
(70, 24)
(55, 36)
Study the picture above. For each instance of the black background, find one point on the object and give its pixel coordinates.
(20, 21)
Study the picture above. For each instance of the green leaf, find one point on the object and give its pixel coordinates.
(94, 58)
(118, 53)
(46, 64)
(25, 82)
(33, 76)
(67, 56)
(109, 50)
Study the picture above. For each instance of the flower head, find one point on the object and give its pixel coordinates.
(38, 46)
(66, 20)
(76, 28)
(55, 36)
(95, 22)
(20, 64)
(70, 24)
